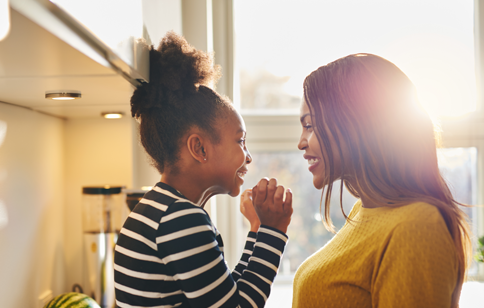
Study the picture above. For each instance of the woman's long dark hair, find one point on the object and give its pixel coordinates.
(371, 105)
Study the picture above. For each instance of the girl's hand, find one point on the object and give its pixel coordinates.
(247, 209)
(269, 205)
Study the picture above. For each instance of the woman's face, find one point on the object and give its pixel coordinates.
(309, 143)
(231, 155)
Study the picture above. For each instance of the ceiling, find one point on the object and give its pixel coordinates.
(33, 61)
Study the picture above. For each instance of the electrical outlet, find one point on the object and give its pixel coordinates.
(44, 298)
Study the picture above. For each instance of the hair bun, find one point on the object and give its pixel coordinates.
(176, 69)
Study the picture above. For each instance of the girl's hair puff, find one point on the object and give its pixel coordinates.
(177, 97)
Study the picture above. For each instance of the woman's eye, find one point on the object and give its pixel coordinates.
(308, 126)
(242, 141)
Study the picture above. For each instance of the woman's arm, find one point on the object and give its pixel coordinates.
(418, 266)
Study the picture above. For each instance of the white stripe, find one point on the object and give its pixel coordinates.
(198, 271)
(234, 271)
(243, 263)
(144, 219)
(182, 233)
(225, 298)
(140, 238)
(247, 251)
(261, 277)
(123, 305)
(248, 299)
(273, 233)
(251, 239)
(142, 275)
(136, 255)
(264, 262)
(154, 204)
(181, 213)
(267, 247)
(166, 192)
(145, 293)
(186, 201)
(255, 288)
(189, 252)
(208, 288)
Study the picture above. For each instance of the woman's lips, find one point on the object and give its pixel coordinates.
(312, 161)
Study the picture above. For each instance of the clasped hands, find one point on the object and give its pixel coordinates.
(265, 204)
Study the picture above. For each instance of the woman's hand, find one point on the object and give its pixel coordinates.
(247, 209)
(269, 205)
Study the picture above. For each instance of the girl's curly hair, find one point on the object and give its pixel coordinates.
(177, 97)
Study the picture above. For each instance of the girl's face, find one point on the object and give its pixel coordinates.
(309, 143)
(231, 155)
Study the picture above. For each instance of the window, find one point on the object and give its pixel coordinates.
(278, 43)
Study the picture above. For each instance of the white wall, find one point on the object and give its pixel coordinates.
(32, 193)
(97, 152)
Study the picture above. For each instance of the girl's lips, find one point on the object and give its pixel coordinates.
(241, 174)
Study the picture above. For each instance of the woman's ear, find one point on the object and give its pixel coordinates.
(197, 147)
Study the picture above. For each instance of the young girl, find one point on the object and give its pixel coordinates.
(406, 241)
(168, 253)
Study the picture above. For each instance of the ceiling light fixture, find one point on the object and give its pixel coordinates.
(112, 115)
(63, 95)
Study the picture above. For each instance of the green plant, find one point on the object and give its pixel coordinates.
(480, 250)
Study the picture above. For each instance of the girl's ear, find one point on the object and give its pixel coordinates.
(196, 146)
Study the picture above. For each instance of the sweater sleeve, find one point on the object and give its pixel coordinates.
(418, 266)
(246, 254)
(187, 245)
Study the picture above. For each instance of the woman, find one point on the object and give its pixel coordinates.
(406, 241)
(168, 253)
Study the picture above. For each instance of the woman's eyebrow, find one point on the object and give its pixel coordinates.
(303, 117)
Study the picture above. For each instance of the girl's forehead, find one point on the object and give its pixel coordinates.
(232, 123)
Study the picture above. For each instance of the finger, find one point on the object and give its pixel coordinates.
(278, 196)
(261, 191)
(272, 186)
(288, 201)
(254, 194)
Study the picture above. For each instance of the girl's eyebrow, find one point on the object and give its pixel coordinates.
(303, 117)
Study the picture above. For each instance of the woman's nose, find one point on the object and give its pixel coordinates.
(302, 144)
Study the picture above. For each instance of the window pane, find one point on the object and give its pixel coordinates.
(279, 42)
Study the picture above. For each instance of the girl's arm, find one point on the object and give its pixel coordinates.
(247, 209)
(188, 246)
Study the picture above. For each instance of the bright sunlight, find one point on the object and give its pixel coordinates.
(431, 41)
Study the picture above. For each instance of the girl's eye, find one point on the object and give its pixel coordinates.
(242, 141)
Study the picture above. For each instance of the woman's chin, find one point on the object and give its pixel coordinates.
(318, 182)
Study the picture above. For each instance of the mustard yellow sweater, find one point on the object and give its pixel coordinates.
(387, 257)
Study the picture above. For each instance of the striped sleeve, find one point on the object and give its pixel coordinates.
(246, 254)
(187, 244)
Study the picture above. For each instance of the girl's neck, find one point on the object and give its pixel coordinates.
(189, 187)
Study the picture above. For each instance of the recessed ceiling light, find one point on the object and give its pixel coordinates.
(63, 95)
(112, 115)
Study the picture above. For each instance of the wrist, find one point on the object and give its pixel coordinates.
(254, 228)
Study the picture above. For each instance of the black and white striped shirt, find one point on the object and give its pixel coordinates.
(169, 254)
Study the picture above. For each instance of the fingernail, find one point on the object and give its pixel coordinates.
(289, 190)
